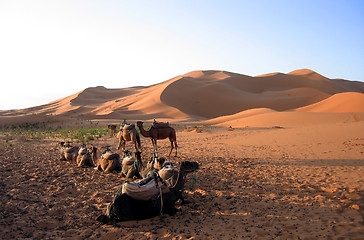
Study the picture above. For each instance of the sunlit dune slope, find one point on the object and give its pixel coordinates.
(341, 102)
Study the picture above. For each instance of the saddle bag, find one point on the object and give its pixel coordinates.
(160, 125)
(145, 189)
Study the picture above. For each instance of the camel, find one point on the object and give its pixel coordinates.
(169, 174)
(162, 132)
(112, 129)
(128, 132)
(125, 208)
(68, 152)
(153, 165)
(108, 162)
(131, 165)
(85, 158)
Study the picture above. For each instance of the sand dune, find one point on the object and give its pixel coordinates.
(341, 102)
(204, 95)
(212, 94)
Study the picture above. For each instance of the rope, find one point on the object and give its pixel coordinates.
(194, 178)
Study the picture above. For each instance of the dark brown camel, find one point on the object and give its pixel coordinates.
(159, 133)
(112, 129)
(124, 207)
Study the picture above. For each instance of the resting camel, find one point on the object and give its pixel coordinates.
(163, 132)
(109, 162)
(128, 133)
(125, 208)
(153, 165)
(131, 164)
(68, 152)
(169, 174)
(85, 158)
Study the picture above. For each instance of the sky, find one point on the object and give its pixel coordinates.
(50, 49)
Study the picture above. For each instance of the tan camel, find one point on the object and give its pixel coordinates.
(109, 162)
(162, 132)
(68, 152)
(85, 158)
(127, 133)
(131, 165)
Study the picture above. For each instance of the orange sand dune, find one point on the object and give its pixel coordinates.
(289, 119)
(204, 95)
(212, 94)
(341, 102)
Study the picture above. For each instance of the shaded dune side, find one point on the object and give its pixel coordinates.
(143, 104)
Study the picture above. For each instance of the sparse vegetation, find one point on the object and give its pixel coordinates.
(38, 131)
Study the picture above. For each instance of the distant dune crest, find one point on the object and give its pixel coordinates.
(217, 97)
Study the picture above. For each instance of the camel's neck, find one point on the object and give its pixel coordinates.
(143, 132)
(94, 156)
(180, 184)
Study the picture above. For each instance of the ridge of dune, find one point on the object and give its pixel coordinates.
(341, 102)
(308, 73)
(144, 103)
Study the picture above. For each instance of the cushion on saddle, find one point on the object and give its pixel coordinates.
(167, 172)
(71, 149)
(128, 160)
(145, 189)
(160, 124)
(128, 127)
(110, 155)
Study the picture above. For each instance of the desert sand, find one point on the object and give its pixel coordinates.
(281, 156)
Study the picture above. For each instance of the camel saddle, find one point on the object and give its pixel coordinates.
(109, 155)
(145, 189)
(128, 160)
(128, 127)
(160, 124)
(70, 149)
(167, 174)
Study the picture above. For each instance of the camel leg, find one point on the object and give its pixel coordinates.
(175, 145)
(171, 148)
(155, 146)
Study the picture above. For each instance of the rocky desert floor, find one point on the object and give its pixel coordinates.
(253, 183)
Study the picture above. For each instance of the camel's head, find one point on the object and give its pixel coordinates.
(111, 127)
(189, 166)
(139, 123)
(93, 149)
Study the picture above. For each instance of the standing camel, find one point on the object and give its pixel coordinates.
(163, 132)
(129, 133)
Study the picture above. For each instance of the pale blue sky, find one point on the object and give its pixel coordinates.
(52, 49)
